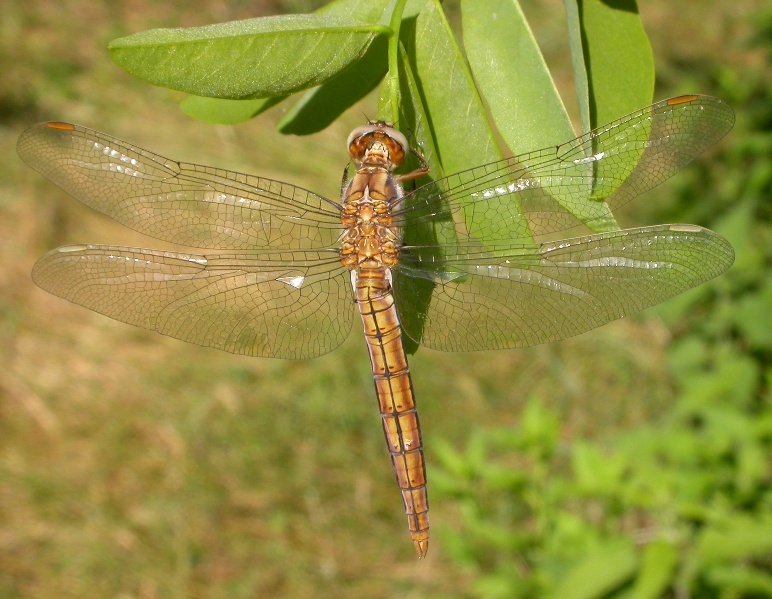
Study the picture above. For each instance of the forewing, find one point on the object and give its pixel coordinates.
(559, 188)
(270, 304)
(182, 203)
(523, 295)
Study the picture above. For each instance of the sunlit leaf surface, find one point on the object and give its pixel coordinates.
(256, 58)
(511, 73)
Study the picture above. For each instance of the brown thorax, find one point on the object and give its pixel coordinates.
(371, 240)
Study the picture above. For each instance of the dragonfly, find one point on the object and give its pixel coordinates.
(505, 255)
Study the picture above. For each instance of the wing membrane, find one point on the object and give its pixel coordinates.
(182, 203)
(559, 188)
(473, 278)
(526, 294)
(272, 304)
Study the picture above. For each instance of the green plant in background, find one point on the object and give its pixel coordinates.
(339, 54)
(681, 507)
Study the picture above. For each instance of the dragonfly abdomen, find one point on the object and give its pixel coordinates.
(396, 399)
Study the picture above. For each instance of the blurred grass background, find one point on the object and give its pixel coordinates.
(134, 465)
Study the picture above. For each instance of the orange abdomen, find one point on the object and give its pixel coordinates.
(395, 398)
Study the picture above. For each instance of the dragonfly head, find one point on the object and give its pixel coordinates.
(377, 137)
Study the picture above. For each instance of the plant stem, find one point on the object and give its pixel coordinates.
(396, 22)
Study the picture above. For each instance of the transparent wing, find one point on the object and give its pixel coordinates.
(579, 182)
(182, 203)
(527, 294)
(272, 304)
(474, 279)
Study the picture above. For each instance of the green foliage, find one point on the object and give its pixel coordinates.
(527, 109)
(257, 58)
(680, 507)
(662, 507)
(341, 51)
(617, 80)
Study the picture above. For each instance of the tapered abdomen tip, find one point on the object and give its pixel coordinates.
(421, 547)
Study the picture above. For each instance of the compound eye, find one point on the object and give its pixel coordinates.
(359, 132)
(398, 137)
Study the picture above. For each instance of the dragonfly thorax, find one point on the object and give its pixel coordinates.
(370, 239)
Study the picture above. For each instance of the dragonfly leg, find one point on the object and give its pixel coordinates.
(344, 181)
(419, 172)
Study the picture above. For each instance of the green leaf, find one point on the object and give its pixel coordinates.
(412, 118)
(615, 73)
(225, 112)
(597, 472)
(656, 572)
(618, 58)
(578, 64)
(452, 460)
(320, 106)
(741, 581)
(602, 570)
(539, 429)
(751, 315)
(750, 264)
(255, 58)
(366, 11)
(459, 125)
(313, 108)
(738, 537)
(454, 108)
(511, 73)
